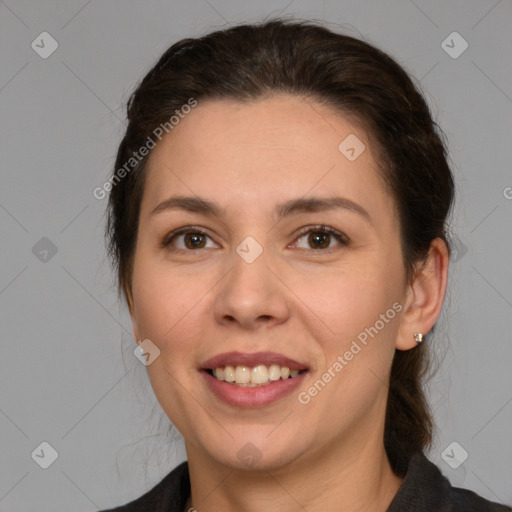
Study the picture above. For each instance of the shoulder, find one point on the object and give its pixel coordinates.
(426, 489)
(169, 495)
(468, 501)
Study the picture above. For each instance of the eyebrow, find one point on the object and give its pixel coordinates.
(292, 207)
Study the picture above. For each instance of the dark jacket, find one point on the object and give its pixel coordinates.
(424, 489)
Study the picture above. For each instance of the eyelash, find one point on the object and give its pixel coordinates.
(340, 237)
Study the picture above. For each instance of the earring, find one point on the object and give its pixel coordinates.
(418, 337)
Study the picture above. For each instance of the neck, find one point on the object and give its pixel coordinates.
(358, 479)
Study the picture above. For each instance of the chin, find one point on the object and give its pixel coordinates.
(256, 453)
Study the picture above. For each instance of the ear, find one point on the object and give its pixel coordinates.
(131, 308)
(425, 295)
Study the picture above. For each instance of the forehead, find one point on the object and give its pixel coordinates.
(249, 154)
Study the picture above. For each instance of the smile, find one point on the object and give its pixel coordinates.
(252, 379)
(259, 375)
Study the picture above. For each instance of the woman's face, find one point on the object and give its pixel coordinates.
(265, 285)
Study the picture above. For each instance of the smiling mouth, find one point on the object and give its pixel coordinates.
(256, 376)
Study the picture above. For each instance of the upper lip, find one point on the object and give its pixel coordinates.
(251, 360)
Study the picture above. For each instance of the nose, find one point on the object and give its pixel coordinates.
(251, 295)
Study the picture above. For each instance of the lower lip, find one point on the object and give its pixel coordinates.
(259, 396)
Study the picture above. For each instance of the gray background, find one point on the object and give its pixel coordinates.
(68, 374)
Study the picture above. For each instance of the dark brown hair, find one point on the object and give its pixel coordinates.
(249, 62)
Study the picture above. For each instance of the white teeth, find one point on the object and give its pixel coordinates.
(229, 374)
(259, 375)
(242, 375)
(274, 372)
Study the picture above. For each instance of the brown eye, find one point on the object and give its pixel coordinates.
(186, 239)
(321, 237)
(319, 240)
(194, 240)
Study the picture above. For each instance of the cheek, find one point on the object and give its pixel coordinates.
(347, 300)
(174, 310)
(360, 315)
(170, 310)
(355, 323)
(164, 300)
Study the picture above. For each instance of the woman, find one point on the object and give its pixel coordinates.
(277, 219)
